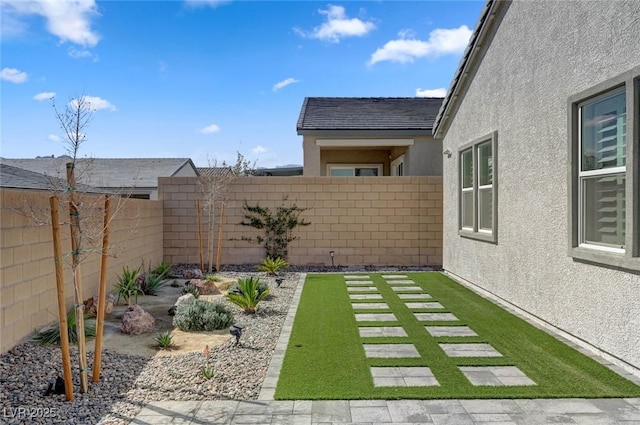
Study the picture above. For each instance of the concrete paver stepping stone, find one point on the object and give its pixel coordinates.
(403, 377)
(356, 276)
(381, 331)
(495, 376)
(401, 282)
(421, 296)
(407, 288)
(470, 350)
(375, 317)
(388, 351)
(450, 331)
(395, 276)
(369, 306)
(365, 296)
(424, 305)
(359, 282)
(361, 288)
(435, 317)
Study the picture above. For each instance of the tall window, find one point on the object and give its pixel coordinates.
(602, 134)
(478, 197)
(604, 147)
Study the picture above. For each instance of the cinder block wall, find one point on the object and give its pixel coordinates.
(28, 296)
(366, 220)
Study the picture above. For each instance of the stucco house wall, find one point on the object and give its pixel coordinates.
(542, 54)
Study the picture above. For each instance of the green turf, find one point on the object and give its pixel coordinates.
(325, 358)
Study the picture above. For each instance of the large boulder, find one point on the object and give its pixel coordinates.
(205, 287)
(136, 321)
(183, 299)
(91, 305)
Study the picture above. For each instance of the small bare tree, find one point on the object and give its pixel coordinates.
(214, 187)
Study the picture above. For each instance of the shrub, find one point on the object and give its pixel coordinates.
(50, 335)
(126, 287)
(164, 340)
(250, 295)
(149, 283)
(162, 268)
(212, 277)
(202, 315)
(191, 290)
(272, 266)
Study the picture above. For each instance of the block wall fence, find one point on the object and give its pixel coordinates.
(386, 221)
(28, 297)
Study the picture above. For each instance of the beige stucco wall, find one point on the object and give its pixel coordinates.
(423, 158)
(365, 220)
(27, 281)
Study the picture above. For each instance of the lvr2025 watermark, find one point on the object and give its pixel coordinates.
(25, 412)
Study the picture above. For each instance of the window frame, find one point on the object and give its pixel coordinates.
(379, 167)
(475, 232)
(629, 257)
(397, 166)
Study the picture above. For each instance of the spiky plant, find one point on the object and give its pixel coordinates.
(272, 265)
(250, 296)
(50, 335)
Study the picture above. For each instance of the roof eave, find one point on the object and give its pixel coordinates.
(409, 132)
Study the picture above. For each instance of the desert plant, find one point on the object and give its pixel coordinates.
(202, 315)
(272, 265)
(50, 335)
(278, 227)
(206, 370)
(163, 268)
(126, 287)
(212, 277)
(149, 283)
(250, 295)
(164, 340)
(191, 290)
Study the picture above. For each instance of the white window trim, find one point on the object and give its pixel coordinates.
(352, 166)
(394, 164)
(606, 256)
(475, 232)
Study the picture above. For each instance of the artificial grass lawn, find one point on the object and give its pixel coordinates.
(325, 358)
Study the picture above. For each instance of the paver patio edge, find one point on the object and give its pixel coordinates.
(268, 389)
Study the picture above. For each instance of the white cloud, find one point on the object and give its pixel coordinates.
(284, 83)
(258, 149)
(206, 3)
(69, 20)
(95, 103)
(337, 26)
(441, 92)
(13, 75)
(44, 95)
(440, 42)
(213, 128)
(54, 138)
(81, 54)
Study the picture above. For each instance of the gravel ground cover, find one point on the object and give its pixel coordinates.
(129, 382)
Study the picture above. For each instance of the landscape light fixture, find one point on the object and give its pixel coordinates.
(332, 253)
(279, 281)
(236, 330)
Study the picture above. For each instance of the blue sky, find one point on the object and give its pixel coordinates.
(206, 79)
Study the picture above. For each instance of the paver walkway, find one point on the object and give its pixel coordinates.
(370, 412)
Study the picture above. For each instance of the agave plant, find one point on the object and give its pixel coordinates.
(250, 295)
(272, 265)
(127, 286)
(50, 335)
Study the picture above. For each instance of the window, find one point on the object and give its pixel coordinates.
(397, 166)
(604, 178)
(349, 170)
(478, 195)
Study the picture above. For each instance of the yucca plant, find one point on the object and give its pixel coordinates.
(127, 286)
(272, 265)
(149, 283)
(163, 268)
(50, 335)
(164, 340)
(250, 296)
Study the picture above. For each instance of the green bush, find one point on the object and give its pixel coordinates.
(50, 335)
(250, 295)
(201, 315)
(272, 265)
(127, 287)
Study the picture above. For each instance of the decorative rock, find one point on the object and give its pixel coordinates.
(192, 274)
(136, 321)
(91, 305)
(183, 299)
(205, 287)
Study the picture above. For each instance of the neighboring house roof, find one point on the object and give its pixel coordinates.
(478, 42)
(18, 178)
(287, 170)
(108, 172)
(215, 171)
(368, 113)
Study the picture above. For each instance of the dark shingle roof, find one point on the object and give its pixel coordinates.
(368, 113)
(108, 172)
(215, 171)
(18, 178)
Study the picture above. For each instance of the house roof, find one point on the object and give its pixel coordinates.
(470, 59)
(18, 178)
(368, 113)
(107, 172)
(215, 171)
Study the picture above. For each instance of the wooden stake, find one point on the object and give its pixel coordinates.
(62, 308)
(219, 248)
(200, 234)
(74, 217)
(102, 292)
